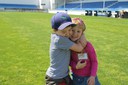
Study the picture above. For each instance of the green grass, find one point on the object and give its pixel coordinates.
(24, 47)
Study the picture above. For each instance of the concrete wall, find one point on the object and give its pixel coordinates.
(60, 2)
(56, 3)
(46, 4)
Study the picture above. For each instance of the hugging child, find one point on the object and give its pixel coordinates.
(60, 46)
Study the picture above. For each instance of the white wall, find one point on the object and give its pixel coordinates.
(60, 2)
(47, 4)
(55, 3)
(31, 2)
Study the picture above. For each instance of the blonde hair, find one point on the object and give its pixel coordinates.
(79, 22)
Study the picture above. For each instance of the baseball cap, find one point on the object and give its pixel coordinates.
(61, 20)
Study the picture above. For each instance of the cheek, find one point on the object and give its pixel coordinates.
(79, 34)
(71, 32)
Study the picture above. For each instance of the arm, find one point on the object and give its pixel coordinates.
(93, 59)
(77, 47)
(94, 65)
(83, 40)
(80, 44)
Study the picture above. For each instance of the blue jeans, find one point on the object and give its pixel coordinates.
(77, 80)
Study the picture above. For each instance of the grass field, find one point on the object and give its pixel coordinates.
(24, 47)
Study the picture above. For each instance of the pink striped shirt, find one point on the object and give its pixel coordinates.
(91, 63)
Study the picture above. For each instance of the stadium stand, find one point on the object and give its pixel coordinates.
(110, 5)
(97, 8)
(18, 6)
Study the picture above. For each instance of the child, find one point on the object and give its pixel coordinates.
(83, 74)
(58, 71)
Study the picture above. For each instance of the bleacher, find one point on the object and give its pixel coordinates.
(109, 5)
(70, 6)
(18, 6)
(92, 5)
(120, 5)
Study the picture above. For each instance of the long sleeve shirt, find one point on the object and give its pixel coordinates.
(91, 62)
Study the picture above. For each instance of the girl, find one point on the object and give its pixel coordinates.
(84, 65)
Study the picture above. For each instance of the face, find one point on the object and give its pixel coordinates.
(76, 33)
(68, 31)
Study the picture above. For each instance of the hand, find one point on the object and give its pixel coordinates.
(83, 40)
(91, 80)
(80, 64)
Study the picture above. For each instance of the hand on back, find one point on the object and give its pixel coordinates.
(83, 40)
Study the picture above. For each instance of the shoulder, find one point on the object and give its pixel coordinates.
(89, 46)
(58, 38)
(61, 42)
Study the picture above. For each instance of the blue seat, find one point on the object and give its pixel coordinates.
(109, 5)
(23, 6)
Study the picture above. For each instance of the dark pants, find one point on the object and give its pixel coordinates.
(64, 81)
(77, 80)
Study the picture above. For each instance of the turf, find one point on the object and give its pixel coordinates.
(24, 47)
